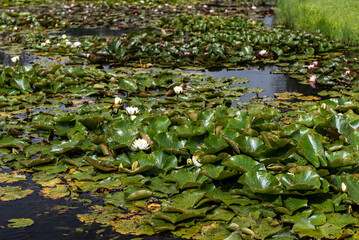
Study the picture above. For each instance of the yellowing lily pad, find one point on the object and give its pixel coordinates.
(9, 178)
(12, 193)
(55, 193)
(20, 222)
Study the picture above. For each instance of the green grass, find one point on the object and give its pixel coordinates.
(337, 19)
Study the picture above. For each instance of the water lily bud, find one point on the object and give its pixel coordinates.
(47, 41)
(117, 100)
(15, 59)
(133, 117)
(196, 162)
(43, 44)
(178, 89)
(140, 144)
(344, 187)
(134, 166)
(324, 106)
(262, 52)
(311, 66)
(63, 36)
(132, 110)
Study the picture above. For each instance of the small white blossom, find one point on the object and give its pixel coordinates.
(63, 36)
(140, 144)
(133, 117)
(132, 110)
(43, 44)
(178, 89)
(15, 59)
(76, 44)
(344, 187)
(47, 41)
(117, 100)
(68, 43)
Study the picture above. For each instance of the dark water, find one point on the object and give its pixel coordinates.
(263, 78)
(49, 222)
(25, 59)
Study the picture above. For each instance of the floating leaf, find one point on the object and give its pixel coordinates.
(243, 163)
(313, 150)
(261, 182)
(20, 222)
(12, 193)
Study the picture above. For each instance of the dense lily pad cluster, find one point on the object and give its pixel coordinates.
(167, 149)
(211, 41)
(230, 171)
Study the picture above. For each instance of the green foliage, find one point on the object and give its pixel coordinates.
(335, 19)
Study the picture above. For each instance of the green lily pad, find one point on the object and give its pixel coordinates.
(261, 182)
(313, 150)
(217, 172)
(243, 163)
(20, 222)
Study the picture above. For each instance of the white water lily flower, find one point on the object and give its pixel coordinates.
(194, 161)
(76, 44)
(117, 100)
(344, 187)
(140, 144)
(133, 117)
(132, 110)
(178, 89)
(68, 43)
(47, 41)
(15, 59)
(43, 44)
(63, 36)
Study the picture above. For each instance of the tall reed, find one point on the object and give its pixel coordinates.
(337, 19)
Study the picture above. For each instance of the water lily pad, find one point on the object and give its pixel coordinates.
(261, 182)
(313, 150)
(20, 222)
(217, 172)
(56, 192)
(12, 193)
(243, 163)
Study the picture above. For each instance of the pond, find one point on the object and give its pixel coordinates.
(142, 120)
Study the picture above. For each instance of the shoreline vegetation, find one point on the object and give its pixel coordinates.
(338, 20)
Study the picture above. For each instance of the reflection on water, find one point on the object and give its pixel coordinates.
(268, 21)
(50, 220)
(25, 59)
(271, 83)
